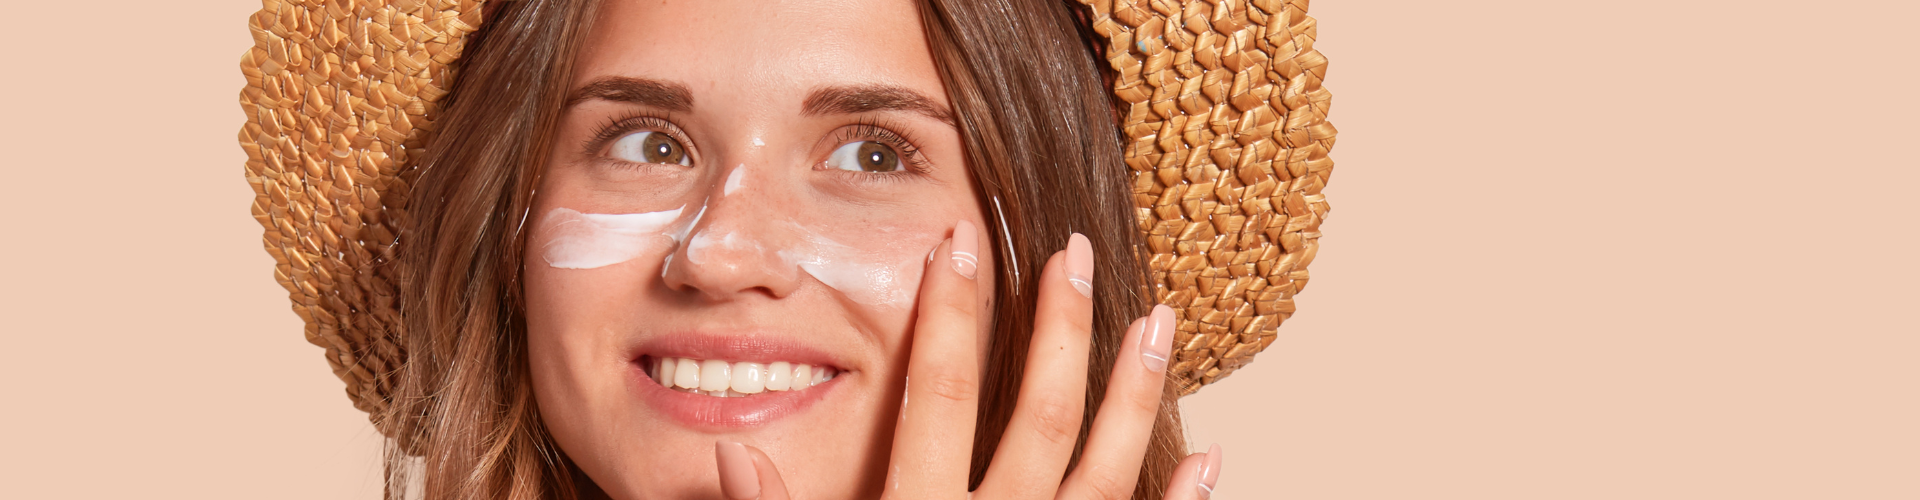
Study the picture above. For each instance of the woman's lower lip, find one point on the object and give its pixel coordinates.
(703, 412)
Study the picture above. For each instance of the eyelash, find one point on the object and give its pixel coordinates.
(620, 126)
(879, 131)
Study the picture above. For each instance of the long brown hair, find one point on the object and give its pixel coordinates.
(1039, 137)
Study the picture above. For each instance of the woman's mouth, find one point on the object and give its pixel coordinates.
(723, 383)
(734, 379)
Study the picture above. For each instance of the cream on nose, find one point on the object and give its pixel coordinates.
(734, 247)
(748, 235)
(723, 246)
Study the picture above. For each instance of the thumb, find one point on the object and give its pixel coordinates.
(746, 473)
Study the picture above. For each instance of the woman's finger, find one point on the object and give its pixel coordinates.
(1039, 440)
(1194, 478)
(933, 445)
(1182, 485)
(747, 474)
(1118, 439)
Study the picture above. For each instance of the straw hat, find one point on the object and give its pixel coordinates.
(1224, 112)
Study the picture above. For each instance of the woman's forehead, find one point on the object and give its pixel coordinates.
(761, 52)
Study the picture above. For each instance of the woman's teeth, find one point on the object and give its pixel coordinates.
(717, 378)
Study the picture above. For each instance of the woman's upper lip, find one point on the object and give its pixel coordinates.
(755, 347)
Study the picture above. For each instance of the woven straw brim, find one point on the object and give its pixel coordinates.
(1229, 141)
(339, 97)
(1225, 113)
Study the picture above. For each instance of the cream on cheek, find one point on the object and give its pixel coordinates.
(880, 273)
(587, 241)
(875, 277)
(735, 179)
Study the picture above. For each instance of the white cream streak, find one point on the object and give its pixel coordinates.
(680, 234)
(862, 276)
(701, 243)
(733, 180)
(587, 241)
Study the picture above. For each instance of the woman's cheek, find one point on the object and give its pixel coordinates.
(582, 267)
(877, 268)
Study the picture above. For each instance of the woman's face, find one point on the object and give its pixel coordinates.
(741, 199)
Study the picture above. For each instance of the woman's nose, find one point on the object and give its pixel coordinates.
(733, 250)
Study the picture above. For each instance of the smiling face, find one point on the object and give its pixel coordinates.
(728, 238)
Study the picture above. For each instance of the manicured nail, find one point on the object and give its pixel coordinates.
(1080, 264)
(966, 242)
(1209, 472)
(1156, 343)
(737, 477)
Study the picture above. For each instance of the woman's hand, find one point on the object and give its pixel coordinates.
(933, 444)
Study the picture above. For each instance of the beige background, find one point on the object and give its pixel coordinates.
(1646, 249)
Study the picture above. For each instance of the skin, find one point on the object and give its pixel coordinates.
(747, 71)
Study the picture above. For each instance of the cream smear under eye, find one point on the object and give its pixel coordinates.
(588, 241)
(861, 275)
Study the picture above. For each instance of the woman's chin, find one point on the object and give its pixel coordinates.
(826, 432)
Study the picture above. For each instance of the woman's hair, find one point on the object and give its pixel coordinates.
(1039, 136)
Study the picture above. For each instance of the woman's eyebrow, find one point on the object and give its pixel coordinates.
(669, 96)
(853, 99)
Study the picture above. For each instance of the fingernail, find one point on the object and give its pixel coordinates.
(1209, 472)
(966, 242)
(737, 478)
(1157, 342)
(1080, 264)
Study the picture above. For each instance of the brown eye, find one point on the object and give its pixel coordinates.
(650, 147)
(865, 156)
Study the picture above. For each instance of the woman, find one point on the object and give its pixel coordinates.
(859, 249)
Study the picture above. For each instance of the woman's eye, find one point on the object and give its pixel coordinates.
(650, 147)
(865, 156)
